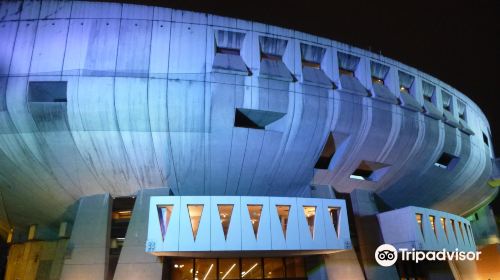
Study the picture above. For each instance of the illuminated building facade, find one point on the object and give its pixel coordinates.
(141, 142)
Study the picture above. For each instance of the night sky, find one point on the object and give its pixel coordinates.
(458, 42)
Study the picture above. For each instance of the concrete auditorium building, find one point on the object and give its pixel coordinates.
(141, 142)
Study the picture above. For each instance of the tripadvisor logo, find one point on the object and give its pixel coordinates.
(387, 255)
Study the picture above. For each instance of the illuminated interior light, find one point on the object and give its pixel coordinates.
(231, 268)
(208, 272)
(251, 268)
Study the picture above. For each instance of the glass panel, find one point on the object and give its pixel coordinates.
(182, 269)
(273, 268)
(377, 81)
(225, 212)
(229, 269)
(295, 267)
(164, 213)
(419, 221)
(310, 212)
(283, 211)
(334, 216)
(433, 224)
(205, 269)
(195, 212)
(255, 212)
(251, 268)
(443, 224)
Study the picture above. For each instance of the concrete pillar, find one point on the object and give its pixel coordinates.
(340, 265)
(134, 262)
(369, 237)
(88, 248)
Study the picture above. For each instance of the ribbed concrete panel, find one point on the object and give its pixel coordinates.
(134, 45)
(50, 44)
(186, 63)
(23, 50)
(8, 34)
(92, 47)
(10, 10)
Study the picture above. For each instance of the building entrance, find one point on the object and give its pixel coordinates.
(236, 268)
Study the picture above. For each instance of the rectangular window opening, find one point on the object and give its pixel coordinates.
(370, 171)
(432, 219)
(311, 64)
(47, 91)
(418, 216)
(361, 174)
(446, 161)
(485, 139)
(228, 51)
(376, 80)
(326, 154)
(270, 56)
(346, 72)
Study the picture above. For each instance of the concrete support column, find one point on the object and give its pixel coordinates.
(343, 265)
(134, 262)
(88, 248)
(369, 237)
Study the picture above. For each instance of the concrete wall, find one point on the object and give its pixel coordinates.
(484, 227)
(146, 108)
(36, 260)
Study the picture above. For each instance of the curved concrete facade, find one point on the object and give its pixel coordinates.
(153, 96)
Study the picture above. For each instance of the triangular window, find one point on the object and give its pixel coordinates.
(283, 212)
(334, 213)
(432, 219)
(164, 214)
(443, 224)
(310, 213)
(195, 212)
(225, 213)
(255, 211)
